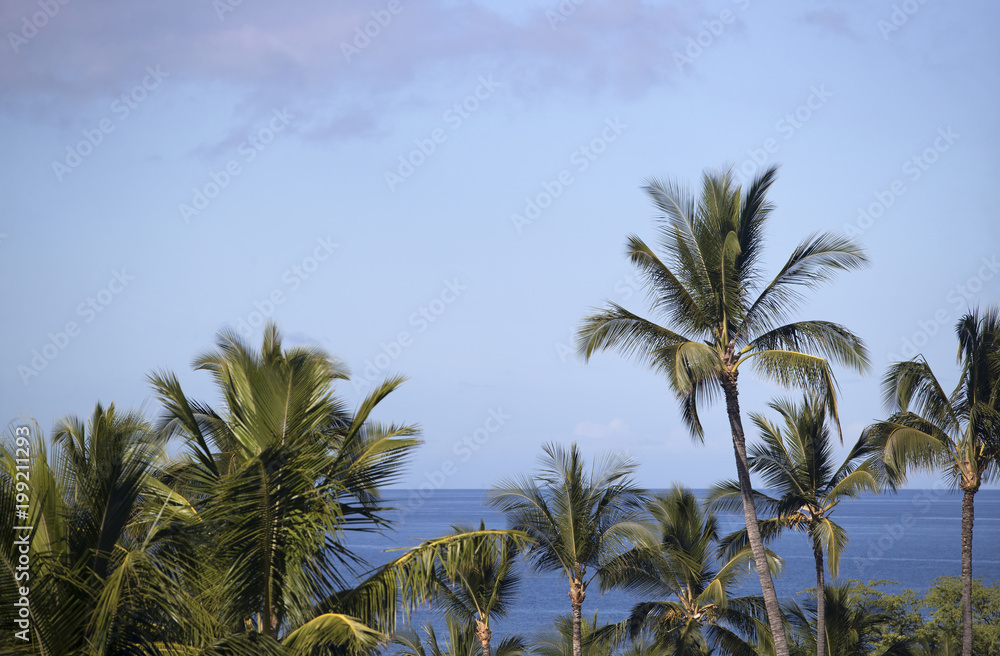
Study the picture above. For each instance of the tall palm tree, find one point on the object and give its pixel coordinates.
(575, 519)
(711, 291)
(693, 611)
(958, 434)
(796, 462)
(277, 476)
(482, 587)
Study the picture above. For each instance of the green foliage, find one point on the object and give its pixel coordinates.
(904, 622)
(901, 611)
(106, 549)
(716, 307)
(795, 459)
(929, 429)
(234, 547)
(468, 574)
(943, 601)
(687, 603)
(461, 641)
(558, 640)
(277, 476)
(575, 519)
(715, 310)
(479, 584)
(956, 434)
(854, 625)
(238, 545)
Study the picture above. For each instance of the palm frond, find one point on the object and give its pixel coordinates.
(631, 335)
(333, 630)
(813, 262)
(829, 340)
(912, 387)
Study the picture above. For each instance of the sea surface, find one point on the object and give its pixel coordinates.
(909, 538)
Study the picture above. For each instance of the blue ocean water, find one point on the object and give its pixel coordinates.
(911, 538)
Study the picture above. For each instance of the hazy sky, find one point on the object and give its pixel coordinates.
(443, 189)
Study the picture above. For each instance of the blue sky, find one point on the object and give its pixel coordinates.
(443, 189)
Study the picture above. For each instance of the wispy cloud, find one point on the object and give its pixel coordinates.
(614, 428)
(832, 20)
(300, 54)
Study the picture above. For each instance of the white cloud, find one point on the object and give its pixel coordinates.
(614, 428)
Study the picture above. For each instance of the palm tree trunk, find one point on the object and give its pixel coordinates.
(484, 634)
(968, 515)
(774, 618)
(577, 594)
(820, 601)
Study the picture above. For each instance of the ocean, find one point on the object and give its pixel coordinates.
(909, 538)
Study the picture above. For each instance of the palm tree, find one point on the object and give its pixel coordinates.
(694, 612)
(559, 639)
(854, 626)
(796, 461)
(958, 434)
(106, 549)
(26, 457)
(463, 640)
(468, 573)
(132, 554)
(481, 587)
(576, 520)
(710, 290)
(277, 477)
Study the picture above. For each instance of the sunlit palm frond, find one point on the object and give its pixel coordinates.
(911, 387)
(331, 629)
(823, 338)
(667, 294)
(630, 334)
(813, 262)
(677, 570)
